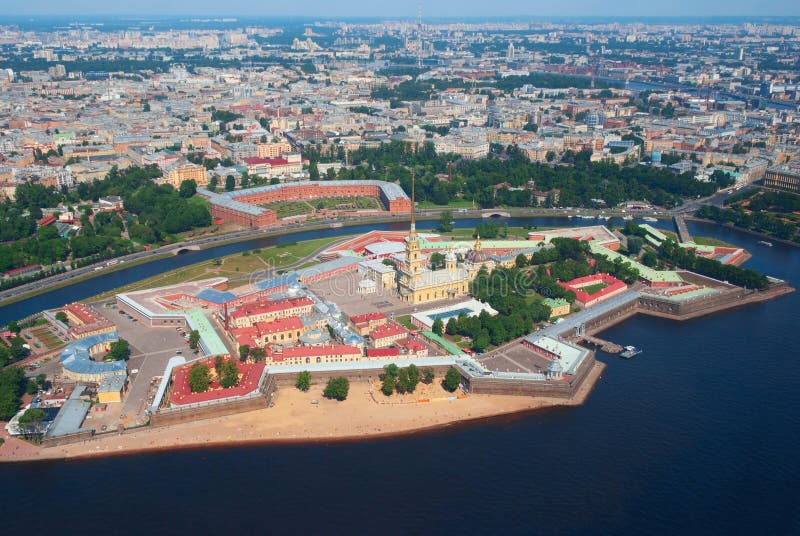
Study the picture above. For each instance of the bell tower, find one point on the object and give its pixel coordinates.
(413, 257)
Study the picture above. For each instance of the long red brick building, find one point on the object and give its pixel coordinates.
(242, 206)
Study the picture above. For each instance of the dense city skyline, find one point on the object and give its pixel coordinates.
(439, 8)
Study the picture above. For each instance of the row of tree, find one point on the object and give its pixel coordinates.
(478, 180)
(679, 257)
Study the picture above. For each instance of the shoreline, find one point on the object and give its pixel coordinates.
(429, 214)
(748, 231)
(350, 421)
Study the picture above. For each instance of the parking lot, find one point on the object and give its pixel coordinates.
(151, 348)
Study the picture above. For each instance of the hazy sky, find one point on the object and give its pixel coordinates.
(407, 9)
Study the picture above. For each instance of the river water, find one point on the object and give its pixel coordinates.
(697, 435)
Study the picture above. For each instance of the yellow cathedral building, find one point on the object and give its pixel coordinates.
(418, 284)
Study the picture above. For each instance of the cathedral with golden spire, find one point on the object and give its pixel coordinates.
(416, 283)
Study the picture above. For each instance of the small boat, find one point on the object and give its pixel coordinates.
(627, 218)
(630, 351)
(765, 243)
(650, 219)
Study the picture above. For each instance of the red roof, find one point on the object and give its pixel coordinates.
(254, 161)
(47, 220)
(182, 393)
(382, 352)
(388, 330)
(81, 312)
(411, 344)
(270, 307)
(613, 283)
(366, 317)
(22, 270)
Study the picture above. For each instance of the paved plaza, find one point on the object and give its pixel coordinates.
(514, 357)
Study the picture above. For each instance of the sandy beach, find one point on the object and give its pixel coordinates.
(295, 419)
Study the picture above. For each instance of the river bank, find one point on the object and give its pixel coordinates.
(765, 236)
(295, 419)
(43, 286)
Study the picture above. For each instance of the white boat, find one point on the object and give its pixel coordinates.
(650, 219)
(765, 243)
(630, 351)
(627, 218)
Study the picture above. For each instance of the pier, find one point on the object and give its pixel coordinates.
(683, 231)
(606, 346)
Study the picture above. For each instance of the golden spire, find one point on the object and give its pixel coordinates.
(413, 224)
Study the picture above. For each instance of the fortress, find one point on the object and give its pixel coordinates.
(243, 206)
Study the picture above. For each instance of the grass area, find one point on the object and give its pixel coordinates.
(291, 252)
(513, 233)
(345, 203)
(591, 289)
(230, 266)
(708, 241)
(290, 208)
(455, 203)
(405, 321)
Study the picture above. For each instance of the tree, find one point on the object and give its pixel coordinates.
(218, 361)
(14, 327)
(436, 261)
(212, 184)
(391, 371)
(413, 375)
(452, 326)
(199, 378)
(635, 244)
(258, 354)
(650, 258)
(446, 221)
(521, 260)
(438, 326)
(187, 188)
(427, 376)
(388, 386)
(337, 388)
(244, 351)
(194, 339)
(303, 381)
(230, 183)
(61, 316)
(451, 379)
(31, 388)
(12, 380)
(118, 351)
(313, 171)
(550, 156)
(230, 374)
(32, 416)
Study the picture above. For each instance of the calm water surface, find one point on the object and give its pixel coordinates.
(697, 435)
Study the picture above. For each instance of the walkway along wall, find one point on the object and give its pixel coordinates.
(507, 386)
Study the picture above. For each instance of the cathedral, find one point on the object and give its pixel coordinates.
(416, 283)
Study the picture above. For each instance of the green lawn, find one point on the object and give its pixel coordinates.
(707, 241)
(346, 203)
(591, 289)
(405, 321)
(285, 254)
(455, 203)
(290, 208)
(230, 266)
